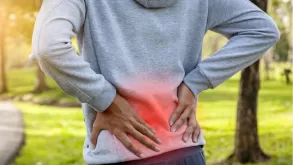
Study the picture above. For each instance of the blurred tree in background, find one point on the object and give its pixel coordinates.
(281, 11)
(282, 48)
(19, 27)
(3, 84)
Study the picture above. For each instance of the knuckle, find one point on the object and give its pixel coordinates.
(181, 120)
(145, 131)
(148, 144)
(192, 121)
(151, 146)
(143, 140)
(127, 126)
(152, 136)
(128, 145)
(193, 106)
(115, 130)
(190, 130)
(198, 129)
(132, 120)
(183, 103)
(175, 113)
(95, 125)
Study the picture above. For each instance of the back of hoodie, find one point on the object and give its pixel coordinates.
(144, 53)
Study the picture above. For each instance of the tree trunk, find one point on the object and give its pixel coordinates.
(40, 84)
(267, 68)
(268, 60)
(287, 73)
(3, 84)
(247, 147)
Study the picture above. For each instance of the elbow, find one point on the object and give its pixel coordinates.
(273, 33)
(48, 42)
(42, 46)
(46, 48)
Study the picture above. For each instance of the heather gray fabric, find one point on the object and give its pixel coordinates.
(156, 3)
(144, 54)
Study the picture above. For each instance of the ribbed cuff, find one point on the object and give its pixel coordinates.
(197, 81)
(105, 98)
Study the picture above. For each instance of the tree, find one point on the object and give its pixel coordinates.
(247, 147)
(3, 87)
(23, 27)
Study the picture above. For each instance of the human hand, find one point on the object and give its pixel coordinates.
(121, 120)
(186, 110)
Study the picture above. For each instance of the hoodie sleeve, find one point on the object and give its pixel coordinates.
(57, 22)
(251, 32)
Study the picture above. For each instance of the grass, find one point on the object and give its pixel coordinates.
(218, 117)
(54, 136)
(21, 86)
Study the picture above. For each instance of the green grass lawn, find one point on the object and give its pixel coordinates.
(54, 136)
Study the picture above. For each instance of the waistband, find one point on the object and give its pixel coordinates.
(171, 155)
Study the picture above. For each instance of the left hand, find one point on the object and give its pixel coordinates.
(186, 110)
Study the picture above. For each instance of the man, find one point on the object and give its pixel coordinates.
(140, 69)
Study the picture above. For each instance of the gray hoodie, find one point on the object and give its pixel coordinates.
(144, 50)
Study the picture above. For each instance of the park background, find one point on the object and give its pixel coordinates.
(54, 127)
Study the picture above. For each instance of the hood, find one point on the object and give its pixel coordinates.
(156, 3)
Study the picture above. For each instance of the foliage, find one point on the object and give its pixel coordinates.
(20, 16)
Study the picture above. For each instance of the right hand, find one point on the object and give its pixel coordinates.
(121, 119)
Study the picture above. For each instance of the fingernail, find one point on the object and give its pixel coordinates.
(171, 123)
(195, 140)
(185, 139)
(142, 155)
(157, 149)
(159, 141)
(173, 129)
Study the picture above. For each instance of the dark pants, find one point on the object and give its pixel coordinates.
(184, 156)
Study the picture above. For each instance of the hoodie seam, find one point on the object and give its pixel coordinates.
(79, 90)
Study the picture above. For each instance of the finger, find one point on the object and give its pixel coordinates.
(139, 137)
(144, 124)
(177, 112)
(196, 128)
(125, 140)
(188, 133)
(145, 131)
(196, 133)
(183, 117)
(94, 135)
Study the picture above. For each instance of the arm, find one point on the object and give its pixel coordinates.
(250, 31)
(57, 22)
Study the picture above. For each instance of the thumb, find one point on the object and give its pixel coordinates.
(94, 135)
